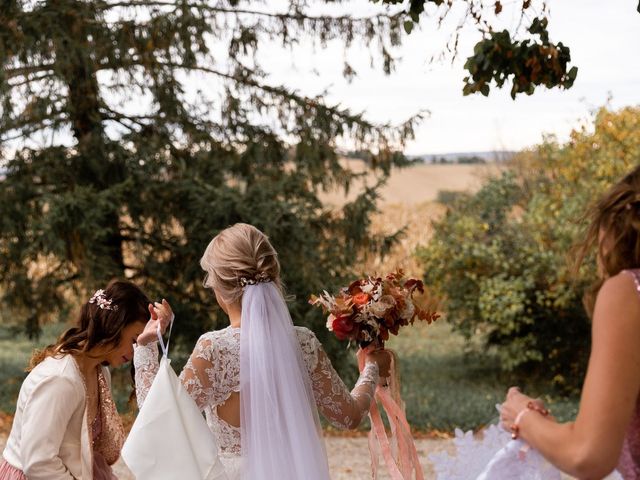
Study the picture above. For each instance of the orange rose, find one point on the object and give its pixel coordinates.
(361, 298)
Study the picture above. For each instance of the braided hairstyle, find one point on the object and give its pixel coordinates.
(237, 256)
(614, 229)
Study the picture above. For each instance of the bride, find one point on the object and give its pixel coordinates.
(261, 381)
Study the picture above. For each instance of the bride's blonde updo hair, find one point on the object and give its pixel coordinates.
(237, 256)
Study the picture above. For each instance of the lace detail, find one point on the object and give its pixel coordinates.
(212, 374)
(145, 364)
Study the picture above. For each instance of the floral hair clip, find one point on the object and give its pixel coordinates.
(258, 278)
(102, 301)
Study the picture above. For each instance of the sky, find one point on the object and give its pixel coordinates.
(604, 38)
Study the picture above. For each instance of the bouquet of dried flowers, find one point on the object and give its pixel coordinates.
(372, 308)
(367, 312)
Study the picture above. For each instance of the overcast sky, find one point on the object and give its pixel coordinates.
(604, 38)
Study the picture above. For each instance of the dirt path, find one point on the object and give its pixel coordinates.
(348, 458)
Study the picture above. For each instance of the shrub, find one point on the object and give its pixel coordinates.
(498, 258)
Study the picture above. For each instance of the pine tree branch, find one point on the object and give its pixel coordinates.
(302, 101)
(111, 114)
(279, 91)
(21, 71)
(298, 16)
(27, 81)
(48, 122)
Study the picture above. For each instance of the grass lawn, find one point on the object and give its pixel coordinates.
(15, 352)
(444, 386)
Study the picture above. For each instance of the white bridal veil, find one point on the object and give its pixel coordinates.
(280, 430)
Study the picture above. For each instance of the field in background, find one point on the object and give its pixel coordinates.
(419, 183)
(445, 384)
(409, 200)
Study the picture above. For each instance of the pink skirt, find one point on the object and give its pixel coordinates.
(9, 472)
(101, 471)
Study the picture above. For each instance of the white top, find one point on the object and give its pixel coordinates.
(50, 439)
(212, 374)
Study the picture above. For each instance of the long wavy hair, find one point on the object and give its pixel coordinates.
(614, 230)
(96, 327)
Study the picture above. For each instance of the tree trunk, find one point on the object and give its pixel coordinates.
(78, 68)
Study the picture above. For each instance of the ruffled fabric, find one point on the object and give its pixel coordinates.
(9, 472)
(493, 455)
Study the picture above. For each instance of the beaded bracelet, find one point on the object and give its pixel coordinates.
(531, 406)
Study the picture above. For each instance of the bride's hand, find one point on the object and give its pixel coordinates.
(161, 316)
(382, 358)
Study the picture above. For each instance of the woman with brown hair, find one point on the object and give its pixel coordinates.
(66, 425)
(606, 432)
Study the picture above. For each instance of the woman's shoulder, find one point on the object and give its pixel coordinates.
(221, 333)
(56, 374)
(619, 296)
(222, 339)
(309, 345)
(625, 283)
(63, 366)
(305, 335)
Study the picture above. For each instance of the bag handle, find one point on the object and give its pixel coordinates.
(165, 346)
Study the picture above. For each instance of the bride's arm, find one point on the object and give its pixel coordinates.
(590, 447)
(342, 408)
(145, 353)
(145, 365)
(196, 376)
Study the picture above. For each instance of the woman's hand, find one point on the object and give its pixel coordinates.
(161, 316)
(382, 358)
(515, 403)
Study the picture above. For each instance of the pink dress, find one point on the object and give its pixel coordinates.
(629, 463)
(9, 472)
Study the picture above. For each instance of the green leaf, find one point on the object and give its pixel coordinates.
(408, 26)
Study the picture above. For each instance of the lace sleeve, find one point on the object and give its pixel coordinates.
(198, 374)
(145, 363)
(342, 408)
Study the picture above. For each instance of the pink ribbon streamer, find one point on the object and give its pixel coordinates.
(402, 465)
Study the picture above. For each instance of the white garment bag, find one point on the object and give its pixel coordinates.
(170, 438)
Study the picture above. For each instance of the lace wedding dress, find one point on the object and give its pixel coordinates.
(212, 375)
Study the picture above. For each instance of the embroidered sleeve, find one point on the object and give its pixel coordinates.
(198, 375)
(342, 408)
(145, 363)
